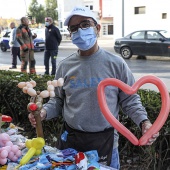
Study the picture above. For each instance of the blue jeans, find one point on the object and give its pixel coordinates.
(115, 163)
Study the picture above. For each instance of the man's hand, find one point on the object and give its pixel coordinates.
(11, 42)
(25, 50)
(32, 118)
(34, 36)
(145, 127)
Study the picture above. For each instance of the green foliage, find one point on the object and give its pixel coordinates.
(37, 11)
(154, 157)
(40, 12)
(14, 102)
(51, 6)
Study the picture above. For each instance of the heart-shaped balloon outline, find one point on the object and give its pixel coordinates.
(159, 122)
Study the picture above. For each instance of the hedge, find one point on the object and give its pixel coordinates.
(13, 102)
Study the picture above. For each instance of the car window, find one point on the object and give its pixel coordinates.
(152, 35)
(138, 35)
(40, 32)
(166, 34)
(7, 34)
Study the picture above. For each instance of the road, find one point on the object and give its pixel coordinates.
(158, 66)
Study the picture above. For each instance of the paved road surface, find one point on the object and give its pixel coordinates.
(162, 74)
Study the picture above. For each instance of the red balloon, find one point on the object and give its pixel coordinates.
(79, 157)
(33, 107)
(159, 122)
(6, 118)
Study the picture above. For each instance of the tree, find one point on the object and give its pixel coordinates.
(4, 23)
(37, 11)
(51, 6)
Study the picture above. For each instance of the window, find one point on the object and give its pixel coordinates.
(164, 15)
(90, 7)
(152, 35)
(110, 29)
(107, 29)
(140, 10)
(138, 35)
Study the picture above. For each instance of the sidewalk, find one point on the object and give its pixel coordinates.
(149, 86)
(40, 70)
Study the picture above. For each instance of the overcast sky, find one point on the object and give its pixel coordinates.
(15, 8)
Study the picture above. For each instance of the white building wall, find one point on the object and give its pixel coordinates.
(66, 6)
(152, 19)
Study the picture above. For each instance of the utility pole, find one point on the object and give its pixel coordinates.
(123, 17)
(26, 7)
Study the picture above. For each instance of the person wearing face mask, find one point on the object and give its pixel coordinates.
(52, 41)
(25, 38)
(85, 127)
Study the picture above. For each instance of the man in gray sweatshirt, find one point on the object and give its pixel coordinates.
(85, 127)
(15, 46)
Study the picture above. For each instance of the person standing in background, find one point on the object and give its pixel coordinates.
(25, 39)
(15, 46)
(52, 41)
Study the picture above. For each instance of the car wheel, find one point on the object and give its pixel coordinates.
(126, 52)
(3, 48)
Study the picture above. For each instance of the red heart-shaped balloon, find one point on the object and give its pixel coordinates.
(159, 122)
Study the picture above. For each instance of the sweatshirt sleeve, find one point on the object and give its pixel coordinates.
(131, 104)
(11, 41)
(58, 36)
(54, 107)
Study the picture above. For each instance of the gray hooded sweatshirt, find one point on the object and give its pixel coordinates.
(77, 100)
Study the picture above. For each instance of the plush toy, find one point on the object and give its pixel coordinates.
(8, 150)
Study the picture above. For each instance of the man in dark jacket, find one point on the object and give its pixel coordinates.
(52, 41)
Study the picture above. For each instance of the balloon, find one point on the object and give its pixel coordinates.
(33, 107)
(6, 118)
(35, 145)
(7, 149)
(4, 154)
(159, 122)
(3, 161)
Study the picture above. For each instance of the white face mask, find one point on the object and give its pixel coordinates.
(47, 24)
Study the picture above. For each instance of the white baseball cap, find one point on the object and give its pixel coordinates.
(82, 11)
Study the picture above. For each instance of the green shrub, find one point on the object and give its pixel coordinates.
(13, 102)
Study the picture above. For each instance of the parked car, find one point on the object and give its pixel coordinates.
(39, 43)
(144, 43)
(64, 33)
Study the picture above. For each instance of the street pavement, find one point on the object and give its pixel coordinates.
(104, 43)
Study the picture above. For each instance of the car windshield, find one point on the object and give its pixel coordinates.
(166, 34)
(40, 33)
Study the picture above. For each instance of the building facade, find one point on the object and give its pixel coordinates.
(106, 18)
(120, 17)
(101, 8)
(140, 14)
